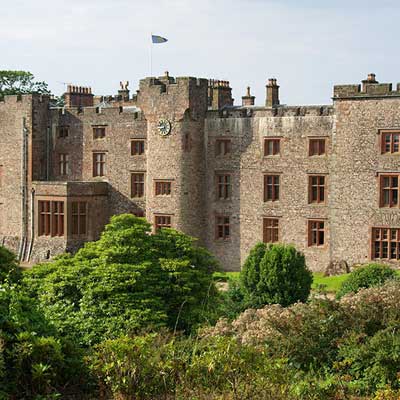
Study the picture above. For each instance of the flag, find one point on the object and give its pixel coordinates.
(158, 39)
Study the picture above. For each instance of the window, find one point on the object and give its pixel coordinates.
(386, 243)
(271, 147)
(316, 233)
(51, 218)
(271, 187)
(316, 147)
(137, 184)
(99, 132)
(63, 164)
(271, 230)
(316, 184)
(222, 147)
(99, 164)
(222, 227)
(389, 191)
(223, 186)
(137, 147)
(162, 221)
(79, 218)
(390, 142)
(163, 188)
(63, 131)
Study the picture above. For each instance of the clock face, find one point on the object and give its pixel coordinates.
(164, 127)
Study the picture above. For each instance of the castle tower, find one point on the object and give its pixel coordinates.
(175, 110)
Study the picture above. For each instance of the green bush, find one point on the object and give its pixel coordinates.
(126, 282)
(365, 277)
(9, 269)
(275, 274)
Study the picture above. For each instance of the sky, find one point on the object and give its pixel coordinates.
(308, 46)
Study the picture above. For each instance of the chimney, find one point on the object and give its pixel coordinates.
(78, 96)
(370, 80)
(272, 99)
(123, 92)
(219, 94)
(248, 100)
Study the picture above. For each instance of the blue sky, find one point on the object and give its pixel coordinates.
(307, 45)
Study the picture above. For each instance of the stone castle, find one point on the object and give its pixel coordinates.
(180, 153)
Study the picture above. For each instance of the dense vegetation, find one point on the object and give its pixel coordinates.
(20, 82)
(137, 316)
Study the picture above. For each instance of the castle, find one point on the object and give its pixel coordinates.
(180, 153)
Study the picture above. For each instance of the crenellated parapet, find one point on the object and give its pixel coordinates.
(369, 88)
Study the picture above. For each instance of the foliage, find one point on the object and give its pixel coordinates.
(275, 274)
(33, 361)
(20, 82)
(365, 277)
(9, 269)
(125, 282)
(372, 362)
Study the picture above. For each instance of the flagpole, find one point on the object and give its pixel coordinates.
(151, 55)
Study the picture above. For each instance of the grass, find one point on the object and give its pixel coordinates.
(331, 283)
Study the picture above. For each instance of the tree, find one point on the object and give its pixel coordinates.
(9, 269)
(275, 274)
(20, 82)
(126, 282)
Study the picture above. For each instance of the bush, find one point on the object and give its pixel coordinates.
(126, 282)
(9, 269)
(365, 277)
(275, 274)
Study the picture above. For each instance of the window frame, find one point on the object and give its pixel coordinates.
(51, 221)
(224, 222)
(141, 193)
(389, 241)
(272, 231)
(96, 129)
(63, 131)
(321, 188)
(63, 164)
(102, 164)
(317, 140)
(162, 187)
(223, 185)
(81, 214)
(276, 146)
(310, 231)
(158, 226)
(391, 189)
(275, 187)
(382, 143)
(142, 147)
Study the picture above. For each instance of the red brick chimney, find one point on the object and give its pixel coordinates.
(78, 96)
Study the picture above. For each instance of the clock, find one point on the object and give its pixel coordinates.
(164, 127)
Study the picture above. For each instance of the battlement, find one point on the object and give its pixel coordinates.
(24, 99)
(369, 88)
(106, 111)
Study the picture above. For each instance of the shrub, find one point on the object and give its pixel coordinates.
(275, 274)
(9, 269)
(365, 277)
(126, 282)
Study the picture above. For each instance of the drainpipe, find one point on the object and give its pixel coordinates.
(48, 153)
(28, 256)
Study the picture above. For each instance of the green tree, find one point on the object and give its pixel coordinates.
(9, 269)
(365, 277)
(275, 274)
(127, 281)
(20, 82)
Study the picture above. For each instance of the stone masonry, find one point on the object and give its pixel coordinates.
(181, 154)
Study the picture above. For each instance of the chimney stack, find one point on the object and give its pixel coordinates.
(78, 96)
(248, 100)
(370, 80)
(272, 99)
